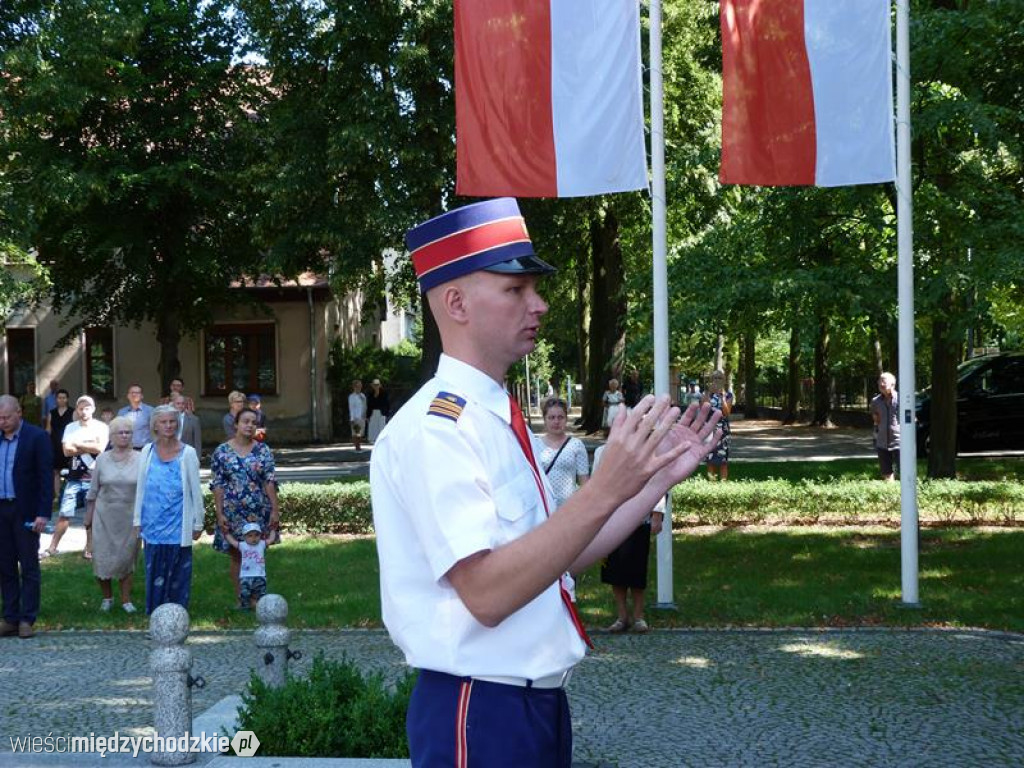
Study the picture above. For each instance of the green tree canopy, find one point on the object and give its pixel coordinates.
(128, 133)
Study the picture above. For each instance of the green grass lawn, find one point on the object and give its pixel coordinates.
(861, 469)
(737, 577)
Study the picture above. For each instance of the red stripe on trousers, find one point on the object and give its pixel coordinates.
(768, 131)
(504, 127)
(461, 717)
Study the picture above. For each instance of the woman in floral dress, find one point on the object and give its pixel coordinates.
(244, 487)
(720, 400)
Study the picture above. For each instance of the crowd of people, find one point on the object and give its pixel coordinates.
(134, 478)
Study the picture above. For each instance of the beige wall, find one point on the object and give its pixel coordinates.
(136, 354)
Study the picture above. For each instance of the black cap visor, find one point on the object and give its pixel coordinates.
(524, 265)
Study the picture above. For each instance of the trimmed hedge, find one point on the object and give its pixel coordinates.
(844, 502)
(345, 507)
(313, 509)
(336, 711)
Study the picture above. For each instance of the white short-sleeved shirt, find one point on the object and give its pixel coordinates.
(448, 480)
(94, 431)
(254, 559)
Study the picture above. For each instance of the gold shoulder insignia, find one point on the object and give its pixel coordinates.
(447, 406)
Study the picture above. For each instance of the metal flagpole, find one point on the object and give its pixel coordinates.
(664, 541)
(905, 273)
(529, 415)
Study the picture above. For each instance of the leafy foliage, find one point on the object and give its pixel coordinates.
(127, 133)
(345, 507)
(334, 712)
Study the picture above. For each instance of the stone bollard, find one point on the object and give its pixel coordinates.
(170, 663)
(272, 640)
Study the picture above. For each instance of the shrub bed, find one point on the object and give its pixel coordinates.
(844, 502)
(345, 507)
(318, 509)
(333, 712)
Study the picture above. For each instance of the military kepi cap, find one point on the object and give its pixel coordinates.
(489, 236)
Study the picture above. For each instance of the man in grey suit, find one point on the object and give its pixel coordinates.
(26, 501)
(190, 430)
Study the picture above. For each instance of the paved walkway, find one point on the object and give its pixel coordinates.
(763, 440)
(667, 699)
(671, 698)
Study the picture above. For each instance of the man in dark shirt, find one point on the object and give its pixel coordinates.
(26, 499)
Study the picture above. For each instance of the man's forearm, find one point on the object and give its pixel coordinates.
(495, 584)
(619, 525)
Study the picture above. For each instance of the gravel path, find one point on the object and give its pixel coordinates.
(670, 698)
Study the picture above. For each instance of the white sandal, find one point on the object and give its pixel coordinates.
(618, 626)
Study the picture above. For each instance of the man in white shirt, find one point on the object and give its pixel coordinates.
(84, 439)
(474, 557)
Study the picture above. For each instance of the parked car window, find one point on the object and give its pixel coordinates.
(1007, 379)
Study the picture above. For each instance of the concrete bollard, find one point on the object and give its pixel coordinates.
(170, 663)
(272, 640)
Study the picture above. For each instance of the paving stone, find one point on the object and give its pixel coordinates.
(669, 698)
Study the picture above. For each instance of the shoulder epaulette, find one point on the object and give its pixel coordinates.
(447, 406)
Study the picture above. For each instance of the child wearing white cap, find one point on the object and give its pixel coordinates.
(252, 578)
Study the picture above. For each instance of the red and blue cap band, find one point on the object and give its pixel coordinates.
(490, 235)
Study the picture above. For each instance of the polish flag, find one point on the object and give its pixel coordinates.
(548, 98)
(807, 92)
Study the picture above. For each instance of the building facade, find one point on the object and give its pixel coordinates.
(277, 348)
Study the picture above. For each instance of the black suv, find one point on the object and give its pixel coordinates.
(989, 405)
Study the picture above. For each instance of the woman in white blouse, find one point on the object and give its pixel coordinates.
(564, 459)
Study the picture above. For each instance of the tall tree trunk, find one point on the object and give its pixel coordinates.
(876, 348)
(824, 383)
(168, 336)
(720, 352)
(791, 413)
(870, 384)
(583, 290)
(942, 437)
(431, 349)
(608, 316)
(750, 375)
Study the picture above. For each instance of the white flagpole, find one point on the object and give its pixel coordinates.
(658, 228)
(905, 274)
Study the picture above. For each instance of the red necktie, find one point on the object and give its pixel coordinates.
(519, 428)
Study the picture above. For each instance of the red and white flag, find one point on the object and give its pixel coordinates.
(807, 92)
(548, 98)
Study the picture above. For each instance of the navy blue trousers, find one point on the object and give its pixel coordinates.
(19, 566)
(463, 723)
(168, 575)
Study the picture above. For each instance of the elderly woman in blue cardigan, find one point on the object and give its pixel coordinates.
(168, 510)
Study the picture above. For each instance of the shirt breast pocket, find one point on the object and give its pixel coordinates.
(517, 503)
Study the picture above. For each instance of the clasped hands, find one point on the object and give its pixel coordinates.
(655, 440)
